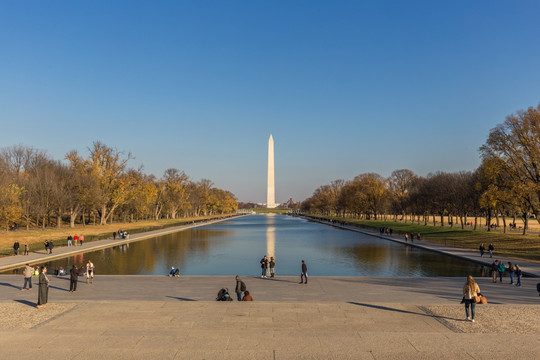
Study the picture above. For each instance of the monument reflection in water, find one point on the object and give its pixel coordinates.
(236, 246)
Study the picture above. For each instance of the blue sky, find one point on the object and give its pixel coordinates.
(345, 87)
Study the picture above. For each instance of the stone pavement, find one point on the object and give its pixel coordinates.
(152, 317)
(529, 268)
(438, 290)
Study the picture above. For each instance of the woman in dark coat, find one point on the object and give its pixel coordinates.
(43, 291)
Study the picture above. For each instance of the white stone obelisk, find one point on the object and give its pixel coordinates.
(271, 191)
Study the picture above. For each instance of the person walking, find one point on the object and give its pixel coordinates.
(51, 246)
(491, 248)
(70, 240)
(519, 273)
(114, 235)
(43, 290)
(27, 273)
(81, 239)
(25, 248)
(494, 269)
(46, 243)
(511, 272)
(303, 274)
(470, 291)
(16, 247)
(272, 266)
(240, 288)
(73, 278)
(90, 272)
(482, 249)
(501, 269)
(406, 237)
(75, 239)
(264, 266)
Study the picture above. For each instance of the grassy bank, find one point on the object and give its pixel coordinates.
(513, 245)
(36, 238)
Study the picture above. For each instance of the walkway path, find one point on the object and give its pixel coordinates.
(529, 268)
(36, 257)
(157, 317)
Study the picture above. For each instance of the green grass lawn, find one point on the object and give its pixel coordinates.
(514, 245)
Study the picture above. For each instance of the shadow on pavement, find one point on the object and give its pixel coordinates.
(272, 279)
(26, 302)
(180, 298)
(57, 288)
(380, 307)
(10, 285)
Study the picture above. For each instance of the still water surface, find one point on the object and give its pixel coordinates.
(236, 246)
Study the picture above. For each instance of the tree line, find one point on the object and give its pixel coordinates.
(38, 191)
(506, 184)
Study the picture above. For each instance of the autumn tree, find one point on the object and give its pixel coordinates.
(107, 166)
(516, 145)
(175, 196)
(400, 184)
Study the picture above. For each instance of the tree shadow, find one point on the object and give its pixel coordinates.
(180, 298)
(26, 302)
(9, 285)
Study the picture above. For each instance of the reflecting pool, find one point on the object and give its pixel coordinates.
(237, 245)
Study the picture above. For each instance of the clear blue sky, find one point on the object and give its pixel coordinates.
(345, 87)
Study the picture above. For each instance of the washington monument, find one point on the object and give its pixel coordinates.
(271, 190)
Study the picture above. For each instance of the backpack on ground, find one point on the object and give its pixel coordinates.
(223, 295)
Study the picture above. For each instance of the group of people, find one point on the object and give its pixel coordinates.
(482, 250)
(43, 289)
(268, 264)
(412, 236)
(385, 231)
(174, 272)
(72, 240)
(16, 247)
(121, 234)
(271, 264)
(498, 269)
(49, 245)
(242, 294)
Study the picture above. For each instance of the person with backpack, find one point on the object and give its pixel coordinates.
(501, 269)
(240, 288)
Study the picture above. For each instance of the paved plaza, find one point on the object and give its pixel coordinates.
(157, 317)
